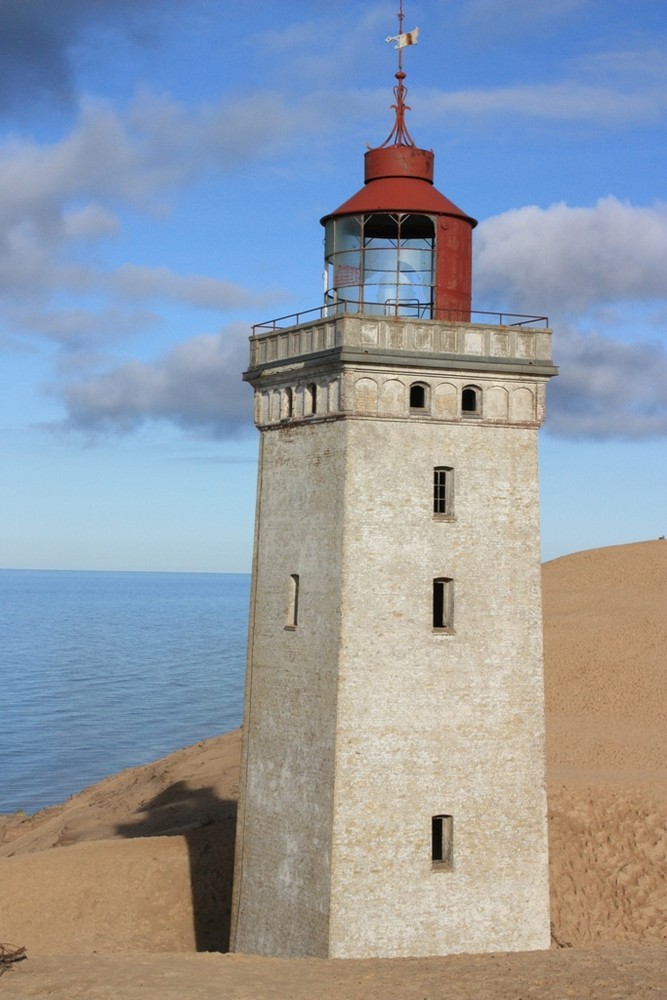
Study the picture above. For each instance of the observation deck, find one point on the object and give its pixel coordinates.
(499, 341)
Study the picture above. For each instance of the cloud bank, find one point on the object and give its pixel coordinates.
(196, 386)
(575, 263)
(58, 200)
(607, 389)
(565, 259)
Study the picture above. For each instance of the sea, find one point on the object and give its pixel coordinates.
(100, 671)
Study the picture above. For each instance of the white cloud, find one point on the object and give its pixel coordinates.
(573, 263)
(55, 197)
(607, 389)
(90, 222)
(633, 67)
(196, 386)
(78, 329)
(134, 158)
(42, 188)
(566, 259)
(134, 281)
(571, 101)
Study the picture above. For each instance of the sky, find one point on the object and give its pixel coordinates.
(163, 168)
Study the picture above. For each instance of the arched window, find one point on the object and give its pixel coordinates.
(311, 398)
(418, 396)
(470, 399)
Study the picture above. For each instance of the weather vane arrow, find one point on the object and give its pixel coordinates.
(407, 38)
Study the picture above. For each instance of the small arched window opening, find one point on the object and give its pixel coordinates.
(311, 398)
(418, 396)
(470, 398)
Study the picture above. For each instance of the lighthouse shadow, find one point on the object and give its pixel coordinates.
(208, 825)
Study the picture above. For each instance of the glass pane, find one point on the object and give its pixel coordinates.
(380, 261)
(415, 262)
(347, 269)
(329, 238)
(349, 293)
(346, 234)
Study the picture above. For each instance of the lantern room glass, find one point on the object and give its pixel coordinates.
(380, 263)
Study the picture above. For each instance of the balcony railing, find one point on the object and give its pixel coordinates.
(392, 309)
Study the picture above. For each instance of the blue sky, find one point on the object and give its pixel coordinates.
(163, 168)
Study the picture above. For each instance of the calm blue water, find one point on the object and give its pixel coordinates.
(101, 671)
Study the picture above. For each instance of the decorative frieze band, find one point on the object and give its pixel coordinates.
(387, 396)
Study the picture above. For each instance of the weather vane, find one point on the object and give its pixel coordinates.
(399, 135)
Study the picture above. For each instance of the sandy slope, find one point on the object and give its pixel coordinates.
(605, 625)
(605, 974)
(142, 861)
(605, 635)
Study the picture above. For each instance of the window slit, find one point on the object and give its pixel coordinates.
(443, 603)
(293, 603)
(442, 840)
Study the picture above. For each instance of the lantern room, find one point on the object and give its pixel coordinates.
(398, 247)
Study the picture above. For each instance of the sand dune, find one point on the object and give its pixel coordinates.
(141, 863)
(605, 636)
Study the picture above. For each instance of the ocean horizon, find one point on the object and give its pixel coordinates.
(108, 669)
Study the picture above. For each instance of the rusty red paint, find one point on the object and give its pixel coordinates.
(400, 179)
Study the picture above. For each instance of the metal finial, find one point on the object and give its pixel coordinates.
(399, 135)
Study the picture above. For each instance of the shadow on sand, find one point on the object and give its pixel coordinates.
(208, 825)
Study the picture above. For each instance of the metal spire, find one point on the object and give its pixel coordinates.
(399, 135)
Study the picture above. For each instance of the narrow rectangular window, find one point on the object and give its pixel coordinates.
(442, 841)
(443, 603)
(293, 603)
(443, 490)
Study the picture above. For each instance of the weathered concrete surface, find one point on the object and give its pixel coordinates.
(364, 722)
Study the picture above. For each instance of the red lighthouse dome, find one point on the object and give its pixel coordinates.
(398, 246)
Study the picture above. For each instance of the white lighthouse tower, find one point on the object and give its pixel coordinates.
(393, 786)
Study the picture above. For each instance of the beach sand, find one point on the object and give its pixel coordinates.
(117, 892)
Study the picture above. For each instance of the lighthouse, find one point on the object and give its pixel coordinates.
(393, 777)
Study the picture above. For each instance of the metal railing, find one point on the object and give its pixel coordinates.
(395, 310)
